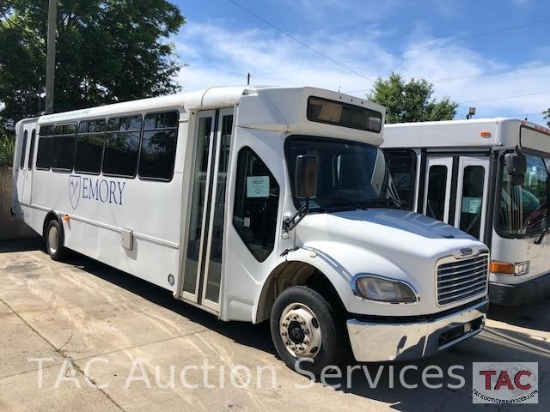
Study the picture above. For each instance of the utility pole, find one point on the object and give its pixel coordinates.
(50, 55)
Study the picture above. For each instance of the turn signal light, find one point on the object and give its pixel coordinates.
(520, 268)
(502, 267)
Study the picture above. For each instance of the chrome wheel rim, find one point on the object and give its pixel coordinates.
(300, 331)
(53, 239)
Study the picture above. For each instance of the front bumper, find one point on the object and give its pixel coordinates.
(378, 342)
(520, 293)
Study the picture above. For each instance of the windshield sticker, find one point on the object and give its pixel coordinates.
(257, 186)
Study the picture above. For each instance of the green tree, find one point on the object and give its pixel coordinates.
(7, 147)
(410, 101)
(106, 51)
(546, 114)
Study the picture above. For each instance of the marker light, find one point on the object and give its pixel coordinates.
(485, 134)
(506, 268)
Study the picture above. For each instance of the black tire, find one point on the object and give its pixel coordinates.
(308, 333)
(54, 240)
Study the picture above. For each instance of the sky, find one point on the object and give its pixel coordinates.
(493, 55)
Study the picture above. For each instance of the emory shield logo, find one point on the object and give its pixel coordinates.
(74, 190)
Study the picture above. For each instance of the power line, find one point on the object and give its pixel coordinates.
(430, 46)
(494, 73)
(300, 41)
(478, 75)
(503, 97)
(525, 115)
(468, 37)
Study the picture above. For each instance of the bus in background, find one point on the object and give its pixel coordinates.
(256, 204)
(490, 178)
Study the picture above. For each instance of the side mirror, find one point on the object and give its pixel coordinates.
(516, 166)
(305, 179)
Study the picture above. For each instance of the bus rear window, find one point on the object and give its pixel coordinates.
(343, 114)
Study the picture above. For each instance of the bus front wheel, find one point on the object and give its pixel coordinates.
(54, 240)
(306, 330)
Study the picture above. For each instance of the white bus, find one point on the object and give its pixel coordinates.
(490, 178)
(256, 204)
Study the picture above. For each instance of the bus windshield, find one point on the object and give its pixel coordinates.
(524, 208)
(350, 175)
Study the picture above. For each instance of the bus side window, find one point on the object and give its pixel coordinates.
(45, 147)
(89, 146)
(158, 146)
(402, 165)
(437, 184)
(23, 149)
(64, 143)
(31, 149)
(472, 200)
(120, 156)
(256, 204)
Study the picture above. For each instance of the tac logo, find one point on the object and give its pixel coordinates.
(74, 190)
(505, 382)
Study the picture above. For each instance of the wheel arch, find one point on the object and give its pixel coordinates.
(60, 251)
(52, 215)
(294, 273)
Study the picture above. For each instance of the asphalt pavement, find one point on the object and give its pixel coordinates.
(81, 336)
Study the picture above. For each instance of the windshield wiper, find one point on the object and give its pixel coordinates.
(541, 237)
(539, 240)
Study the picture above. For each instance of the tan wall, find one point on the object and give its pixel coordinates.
(10, 227)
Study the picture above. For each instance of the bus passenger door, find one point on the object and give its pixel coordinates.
(203, 260)
(24, 162)
(437, 190)
(27, 188)
(471, 197)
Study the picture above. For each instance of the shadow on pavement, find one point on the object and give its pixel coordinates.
(257, 336)
(441, 382)
(532, 316)
(21, 245)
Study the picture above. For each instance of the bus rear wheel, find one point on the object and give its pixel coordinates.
(54, 240)
(306, 330)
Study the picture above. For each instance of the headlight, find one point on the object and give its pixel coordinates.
(381, 289)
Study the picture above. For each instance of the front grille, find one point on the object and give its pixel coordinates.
(460, 279)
